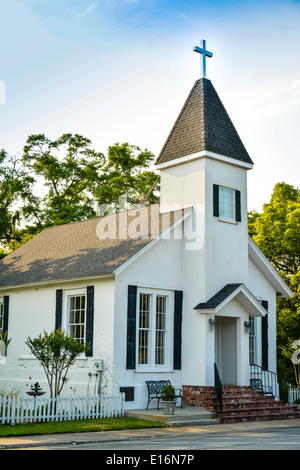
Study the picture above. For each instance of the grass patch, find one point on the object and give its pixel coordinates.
(84, 425)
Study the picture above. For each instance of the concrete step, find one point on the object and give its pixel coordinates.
(186, 416)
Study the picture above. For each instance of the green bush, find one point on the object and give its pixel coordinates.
(168, 393)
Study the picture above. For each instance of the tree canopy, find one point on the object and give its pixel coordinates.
(65, 180)
(15, 189)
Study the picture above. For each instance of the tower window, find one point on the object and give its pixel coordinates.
(227, 203)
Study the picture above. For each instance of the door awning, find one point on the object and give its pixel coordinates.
(233, 291)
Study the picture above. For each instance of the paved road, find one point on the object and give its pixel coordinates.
(284, 439)
(192, 439)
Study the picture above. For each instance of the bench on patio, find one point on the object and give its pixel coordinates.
(257, 385)
(155, 387)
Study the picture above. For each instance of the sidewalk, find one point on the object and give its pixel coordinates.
(117, 436)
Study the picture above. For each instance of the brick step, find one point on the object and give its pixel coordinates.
(252, 399)
(255, 406)
(258, 417)
(240, 404)
(263, 411)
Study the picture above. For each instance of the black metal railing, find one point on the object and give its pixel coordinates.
(218, 388)
(270, 380)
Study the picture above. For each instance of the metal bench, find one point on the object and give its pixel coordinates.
(257, 385)
(155, 387)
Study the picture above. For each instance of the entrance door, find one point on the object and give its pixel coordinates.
(226, 349)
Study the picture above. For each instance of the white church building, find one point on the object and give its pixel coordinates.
(168, 291)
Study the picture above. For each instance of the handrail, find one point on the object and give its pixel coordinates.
(268, 378)
(218, 388)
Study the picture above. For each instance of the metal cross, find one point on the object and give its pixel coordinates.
(202, 50)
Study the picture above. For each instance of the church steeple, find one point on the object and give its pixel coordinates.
(203, 124)
(204, 165)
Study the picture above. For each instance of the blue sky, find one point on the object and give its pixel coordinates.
(120, 70)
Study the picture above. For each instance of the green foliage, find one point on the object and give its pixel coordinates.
(168, 393)
(56, 352)
(15, 189)
(126, 173)
(290, 352)
(68, 169)
(65, 180)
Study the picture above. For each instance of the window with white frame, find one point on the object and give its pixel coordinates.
(226, 203)
(153, 329)
(77, 316)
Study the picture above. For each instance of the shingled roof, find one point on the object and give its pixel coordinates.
(227, 293)
(203, 124)
(218, 298)
(75, 250)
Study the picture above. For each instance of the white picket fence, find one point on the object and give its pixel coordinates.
(293, 394)
(21, 409)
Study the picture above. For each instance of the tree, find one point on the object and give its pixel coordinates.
(68, 169)
(78, 179)
(277, 232)
(56, 352)
(15, 193)
(126, 172)
(291, 353)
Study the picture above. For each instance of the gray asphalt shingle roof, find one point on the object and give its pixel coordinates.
(203, 124)
(75, 250)
(218, 298)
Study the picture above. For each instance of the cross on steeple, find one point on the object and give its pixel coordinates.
(202, 50)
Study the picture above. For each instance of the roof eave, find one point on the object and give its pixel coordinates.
(257, 256)
(204, 154)
(46, 282)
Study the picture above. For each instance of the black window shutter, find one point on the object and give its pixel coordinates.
(131, 327)
(216, 200)
(89, 334)
(177, 329)
(264, 338)
(238, 212)
(5, 313)
(58, 308)
(5, 316)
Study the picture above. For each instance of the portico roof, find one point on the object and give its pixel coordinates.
(229, 292)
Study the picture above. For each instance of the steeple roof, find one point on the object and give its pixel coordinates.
(203, 124)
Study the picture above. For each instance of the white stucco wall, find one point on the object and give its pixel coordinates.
(160, 269)
(31, 311)
(224, 245)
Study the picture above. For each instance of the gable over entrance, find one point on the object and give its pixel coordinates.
(226, 295)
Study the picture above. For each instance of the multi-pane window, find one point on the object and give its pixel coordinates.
(252, 341)
(144, 329)
(160, 329)
(153, 329)
(226, 203)
(76, 318)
